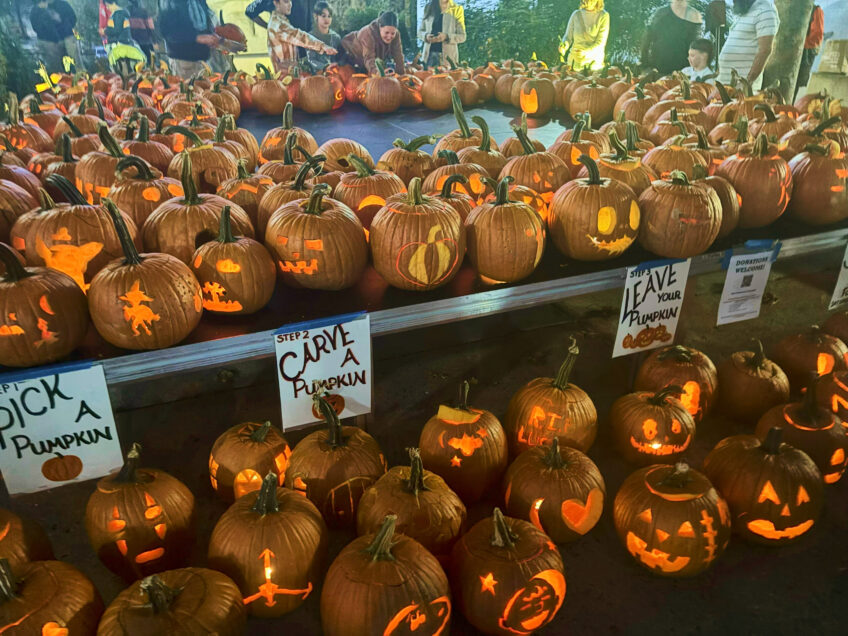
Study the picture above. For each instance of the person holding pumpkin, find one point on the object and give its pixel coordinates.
(378, 40)
(667, 39)
(284, 39)
(442, 29)
(586, 35)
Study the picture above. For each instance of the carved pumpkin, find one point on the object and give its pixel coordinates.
(337, 150)
(179, 602)
(813, 429)
(365, 190)
(751, 384)
(155, 153)
(381, 93)
(543, 171)
(622, 167)
(775, 492)
(22, 541)
(333, 467)
(810, 354)
(713, 155)
(403, 587)
(466, 447)
(140, 520)
(795, 141)
(507, 576)
(46, 595)
(274, 141)
(570, 150)
(281, 170)
(536, 97)
(685, 367)
(410, 91)
(671, 520)
(820, 186)
(676, 157)
(483, 155)
(407, 160)
(318, 243)
(129, 297)
(272, 544)
(477, 175)
(210, 166)
(280, 194)
(459, 201)
(140, 194)
(236, 273)
(832, 394)
(268, 95)
(505, 239)
(652, 427)
(462, 137)
(95, 172)
(417, 242)
(773, 126)
(23, 135)
(427, 509)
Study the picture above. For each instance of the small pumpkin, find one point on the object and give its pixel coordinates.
(210, 166)
(463, 136)
(285, 192)
(513, 147)
(95, 171)
(365, 190)
(751, 384)
(407, 160)
(246, 191)
(810, 354)
(338, 149)
(683, 366)
(281, 170)
(459, 201)
(536, 97)
(774, 126)
(155, 153)
(543, 171)
(268, 95)
(22, 135)
(674, 157)
(622, 167)
(23, 541)
(382, 93)
(140, 194)
(477, 175)
(484, 154)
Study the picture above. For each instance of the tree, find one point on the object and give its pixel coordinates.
(785, 60)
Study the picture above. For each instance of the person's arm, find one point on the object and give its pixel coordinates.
(424, 30)
(763, 54)
(397, 54)
(603, 33)
(369, 51)
(457, 34)
(254, 10)
(286, 33)
(568, 36)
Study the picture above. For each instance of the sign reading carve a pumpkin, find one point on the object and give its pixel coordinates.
(507, 576)
(545, 409)
(671, 520)
(775, 491)
(685, 367)
(272, 544)
(404, 589)
(466, 447)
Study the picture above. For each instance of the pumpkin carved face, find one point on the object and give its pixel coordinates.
(534, 605)
(688, 368)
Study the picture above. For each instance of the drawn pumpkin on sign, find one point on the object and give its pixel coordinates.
(62, 467)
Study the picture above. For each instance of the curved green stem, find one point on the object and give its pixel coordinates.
(415, 144)
(659, 398)
(414, 196)
(266, 501)
(761, 146)
(141, 166)
(447, 186)
(564, 373)
(818, 131)
(722, 93)
(502, 190)
(160, 122)
(225, 227)
(67, 189)
(288, 149)
(261, 432)
(577, 131)
(334, 424)
(362, 169)
(131, 255)
(312, 164)
(63, 149)
(288, 112)
(620, 149)
(14, 270)
(526, 145)
(380, 548)
(381, 67)
(189, 134)
(449, 156)
(75, 131)
(767, 110)
(592, 168)
(486, 141)
(266, 73)
(459, 114)
(316, 199)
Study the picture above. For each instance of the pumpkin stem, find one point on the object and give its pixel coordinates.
(316, 199)
(756, 360)
(741, 127)
(416, 143)
(261, 432)
(220, 129)
(414, 196)
(334, 424)
(678, 353)
(72, 126)
(127, 474)
(821, 151)
(486, 141)
(703, 141)
(288, 111)
(380, 548)
(8, 582)
(14, 270)
(464, 388)
(311, 164)
(449, 156)
(767, 111)
(587, 117)
(577, 131)
(761, 146)
(131, 255)
(810, 403)
(159, 595)
(747, 89)
(632, 137)
(109, 142)
(459, 114)
(241, 166)
(672, 115)
(266, 73)
(502, 190)
(659, 398)
(678, 177)
(288, 149)
(160, 122)
(722, 93)
(362, 169)
(45, 201)
(592, 168)
(187, 179)
(131, 161)
(620, 149)
(189, 134)
(447, 187)
(561, 380)
(67, 189)
(640, 92)
(415, 484)
(502, 535)
(678, 478)
(526, 145)
(827, 123)
(774, 438)
(266, 502)
(552, 458)
(685, 89)
(225, 227)
(63, 149)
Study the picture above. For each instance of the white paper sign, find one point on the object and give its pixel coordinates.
(650, 308)
(840, 292)
(56, 426)
(334, 353)
(744, 285)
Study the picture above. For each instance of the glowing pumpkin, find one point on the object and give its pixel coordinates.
(688, 368)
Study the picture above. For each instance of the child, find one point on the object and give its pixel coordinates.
(322, 18)
(283, 39)
(700, 58)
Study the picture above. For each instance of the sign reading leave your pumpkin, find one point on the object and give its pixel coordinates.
(650, 308)
(56, 426)
(331, 354)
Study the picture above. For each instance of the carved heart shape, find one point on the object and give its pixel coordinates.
(582, 518)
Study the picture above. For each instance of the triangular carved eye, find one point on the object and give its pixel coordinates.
(803, 497)
(646, 515)
(686, 530)
(769, 494)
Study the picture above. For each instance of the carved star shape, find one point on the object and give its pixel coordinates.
(488, 583)
(456, 461)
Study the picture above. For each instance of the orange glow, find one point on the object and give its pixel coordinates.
(691, 397)
(314, 244)
(582, 517)
(488, 583)
(646, 515)
(73, 260)
(534, 514)
(227, 266)
(175, 189)
(122, 546)
(150, 555)
(137, 314)
(824, 363)
(456, 462)
(160, 529)
(838, 457)
(803, 497)
(53, 629)
(45, 305)
(837, 188)
(467, 444)
(371, 199)
(765, 528)
(529, 101)
(151, 194)
(270, 590)
(246, 481)
(768, 494)
(686, 530)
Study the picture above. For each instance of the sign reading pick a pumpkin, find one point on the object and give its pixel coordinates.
(650, 307)
(56, 426)
(331, 355)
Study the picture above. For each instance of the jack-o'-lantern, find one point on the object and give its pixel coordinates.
(536, 97)
(139, 194)
(462, 137)
(407, 160)
(178, 602)
(476, 174)
(242, 454)
(318, 243)
(61, 161)
(410, 91)
(593, 218)
(333, 467)
(751, 384)
(507, 576)
(674, 157)
(713, 155)
(336, 152)
(95, 172)
(794, 142)
(683, 366)
(512, 147)
(671, 520)
(545, 409)
(417, 242)
(48, 598)
(813, 429)
(268, 95)
(272, 544)
(155, 153)
(484, 154)
(559, 490)
(459, 201)
(365, 190)
(427, 509)
(832, 393)
(543, 171)
(810, 354)
(466, 446)
(281, 170)
(652, 427)
(22, 135)
(22, 540)
(404, 588)
(775, 492)
(140, 520)
(15, 202)
(285, 192)
(820, 186)
(622, 167)
(210, 166)
(600, 139)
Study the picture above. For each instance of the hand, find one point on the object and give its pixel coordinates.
(563, 48)
(209, 39)
(441, 37)
(329, 50)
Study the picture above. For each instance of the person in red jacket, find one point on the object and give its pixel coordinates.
(812, 46)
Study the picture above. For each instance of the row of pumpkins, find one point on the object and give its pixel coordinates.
(414, 562)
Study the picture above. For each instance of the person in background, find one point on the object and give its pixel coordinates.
(300, 16)
(812, 46)
(701, 53)
(141, 26)
(585, 38)
(748, 45)
(53, 22)
(667, 39)
(379, 39)
(189, 34)
(441, 31)
(284, 39)
(322, 19)
(122, 50)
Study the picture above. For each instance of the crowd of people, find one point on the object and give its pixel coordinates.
(300, 32)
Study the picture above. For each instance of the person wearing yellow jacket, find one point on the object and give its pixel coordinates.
(442, 30)
(585, 38)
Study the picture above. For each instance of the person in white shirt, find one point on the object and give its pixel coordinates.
(700, 58)
(749, 42)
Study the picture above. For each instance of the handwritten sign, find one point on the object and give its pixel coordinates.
(840, 292)
(748, 270)
(650, 308)
(56, 427)
(333, 354)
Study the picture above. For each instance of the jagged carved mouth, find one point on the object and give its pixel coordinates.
(656, 448)
(299, 267)
(655, 558)
(766, 529)
(613, 247)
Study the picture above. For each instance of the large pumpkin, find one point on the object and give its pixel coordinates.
(210, 165)
(810, 354)
(23, 541)
(246, 191)
(543, 171)
(336, 151)
(622, 167)
(751, 384)
(820, 186)
(382, 93)
(459, 201)
(268, 95)
(285, 192)
(155, 153)
(275, 139)
(139, 189)
(683, 366)
(365, 190)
